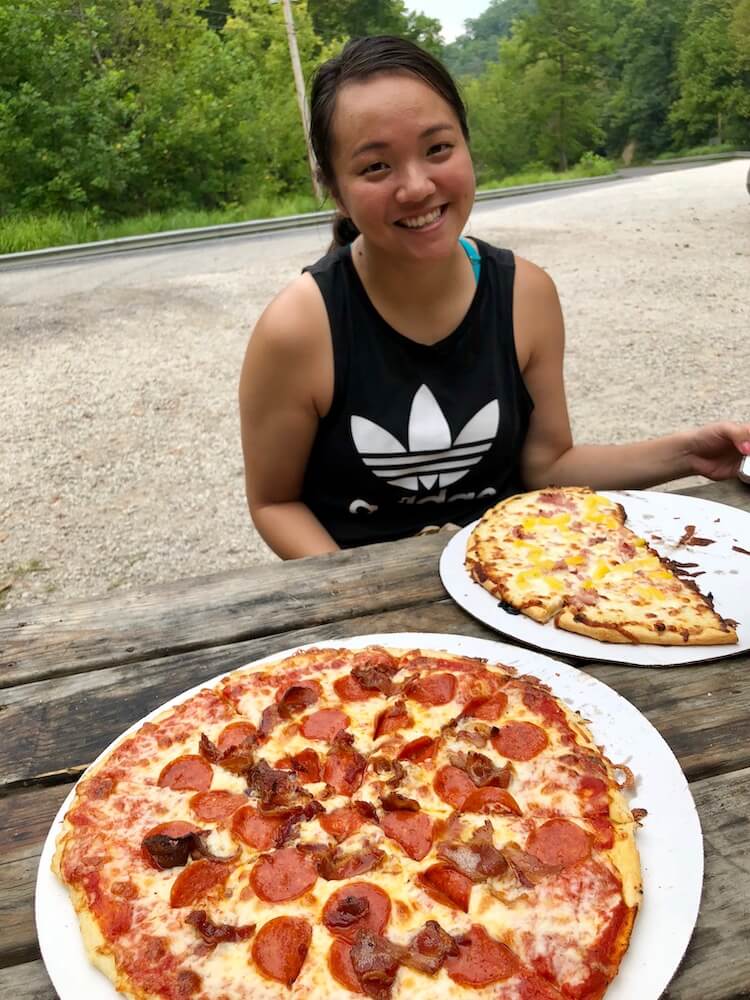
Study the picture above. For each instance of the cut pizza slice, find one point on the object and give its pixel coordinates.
(642, 600)
(566, 554)
(568, 901)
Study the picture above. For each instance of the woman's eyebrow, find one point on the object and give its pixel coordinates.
(378, 144)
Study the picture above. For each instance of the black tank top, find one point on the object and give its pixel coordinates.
(416, 434)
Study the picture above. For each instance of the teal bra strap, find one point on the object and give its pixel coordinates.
(471, 253)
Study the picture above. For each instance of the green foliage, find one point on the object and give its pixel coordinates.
(645, 88)
(35, 232)
(138, 109)
(470, 53)
(713, 72)
(339, 19)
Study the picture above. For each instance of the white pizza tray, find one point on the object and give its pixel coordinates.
(670, 841)
(660, 518)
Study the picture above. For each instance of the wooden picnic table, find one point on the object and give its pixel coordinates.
(75, 675)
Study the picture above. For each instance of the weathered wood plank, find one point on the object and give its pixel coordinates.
(731, 492)
(717, 963)
(26, 818)
(55, 640)
(27, 982)
(701, 711)
(59, 639)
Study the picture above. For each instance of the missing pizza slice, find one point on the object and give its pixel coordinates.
(566, 554)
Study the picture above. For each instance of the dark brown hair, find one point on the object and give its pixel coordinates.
(360, 59)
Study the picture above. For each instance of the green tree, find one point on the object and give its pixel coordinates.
(562, 41)
(710, 75)
(470, 53)
(67, 133)
(502, 141)
(644, 85)
(339, 19)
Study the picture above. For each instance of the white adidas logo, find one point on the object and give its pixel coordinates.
(432, 457)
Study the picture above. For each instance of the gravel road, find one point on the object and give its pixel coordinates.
(121, 462)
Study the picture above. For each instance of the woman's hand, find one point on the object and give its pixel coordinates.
(716, 450)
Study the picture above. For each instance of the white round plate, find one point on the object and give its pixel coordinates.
(660, 518)
(670, 841)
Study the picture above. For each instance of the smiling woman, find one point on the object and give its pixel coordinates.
(411, 376)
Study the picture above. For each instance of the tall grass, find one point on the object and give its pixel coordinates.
(725, 147)
(36, 232)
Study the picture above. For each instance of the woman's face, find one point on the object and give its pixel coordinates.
(402, 167)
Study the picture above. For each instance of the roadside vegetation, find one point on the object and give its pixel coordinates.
(63, 229)
(120, 118)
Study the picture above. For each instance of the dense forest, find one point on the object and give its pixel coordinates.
(124, 106)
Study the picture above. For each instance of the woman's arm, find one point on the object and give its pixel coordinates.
(285, 387)
(549, 456)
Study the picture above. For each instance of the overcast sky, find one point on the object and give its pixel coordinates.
(450, 13)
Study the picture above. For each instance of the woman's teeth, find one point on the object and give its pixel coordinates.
(422, 220)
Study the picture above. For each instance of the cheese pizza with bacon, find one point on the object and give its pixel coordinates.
(343, 822)
(565, 554)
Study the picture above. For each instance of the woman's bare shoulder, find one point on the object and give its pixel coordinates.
(294, 324)
(531, 279)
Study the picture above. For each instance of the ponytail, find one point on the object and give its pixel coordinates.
(344, 231)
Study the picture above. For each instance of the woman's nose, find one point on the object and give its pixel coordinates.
(415, 185)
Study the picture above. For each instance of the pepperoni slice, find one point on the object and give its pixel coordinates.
(234, 735)
(324, 724)
(453, 785)
(344, 770)
(341, 823)
(314, 686)
(490, 800)
(447, 886)
(280, 948)
(196, 880)
(520, 740)
(481, 960)
(392, 718)
(431, 689)
(340, 964)
(559, 842)
(412, 830)
(255, 830)
(489, 709)
(358, 906)
(187, 772)
(283, 875)
(175, 828)
(306, 765)
(114, 915)
(543, 704)
(214, 806)
(348, 688)
(419, 750)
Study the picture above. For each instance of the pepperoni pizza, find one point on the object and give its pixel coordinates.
(348, 822)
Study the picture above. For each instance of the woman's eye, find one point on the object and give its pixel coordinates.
(374, 168)
(439, 147)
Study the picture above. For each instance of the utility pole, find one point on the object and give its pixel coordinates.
(299, 84)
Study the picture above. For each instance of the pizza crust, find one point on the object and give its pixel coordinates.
(633, 632)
